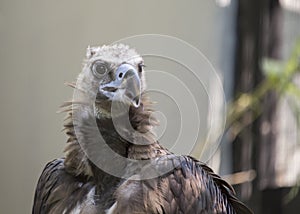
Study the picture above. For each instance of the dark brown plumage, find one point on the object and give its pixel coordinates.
(75, 184)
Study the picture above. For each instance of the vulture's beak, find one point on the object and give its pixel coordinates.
(126, 86)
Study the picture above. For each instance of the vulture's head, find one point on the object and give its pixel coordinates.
(113, 74)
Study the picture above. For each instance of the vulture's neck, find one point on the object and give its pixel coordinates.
(138, 141)
(143, 147)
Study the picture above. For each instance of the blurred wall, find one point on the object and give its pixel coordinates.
(42, 46)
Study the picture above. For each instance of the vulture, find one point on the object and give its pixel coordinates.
(113, 162)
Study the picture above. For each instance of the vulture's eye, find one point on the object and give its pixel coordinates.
(141, 66)
(99, 68)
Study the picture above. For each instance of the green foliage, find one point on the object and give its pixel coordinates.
(280, 77)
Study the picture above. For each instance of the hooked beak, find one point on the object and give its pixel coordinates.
(126, 86)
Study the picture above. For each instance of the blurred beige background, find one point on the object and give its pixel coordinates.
(42, 46)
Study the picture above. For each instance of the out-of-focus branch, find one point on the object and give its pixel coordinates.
(240, 177)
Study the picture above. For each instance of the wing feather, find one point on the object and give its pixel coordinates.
(58, 191)
(193, 187)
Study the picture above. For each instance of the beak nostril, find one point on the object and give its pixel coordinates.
(109, 89)
(120, 75)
